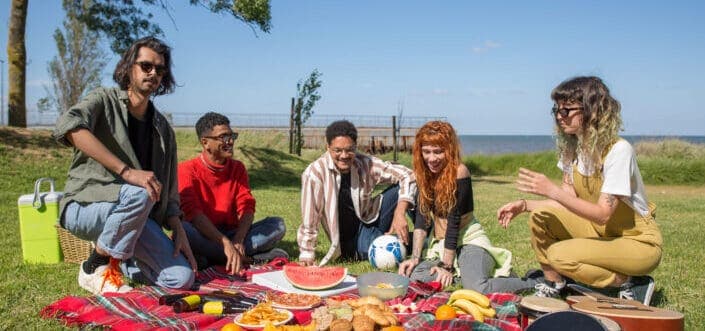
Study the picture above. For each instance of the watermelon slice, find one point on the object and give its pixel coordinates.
(314, 278)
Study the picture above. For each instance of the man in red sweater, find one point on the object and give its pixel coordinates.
(218, 205)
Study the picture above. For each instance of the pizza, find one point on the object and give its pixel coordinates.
(294, 300)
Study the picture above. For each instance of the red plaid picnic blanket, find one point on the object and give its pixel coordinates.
(139, 309)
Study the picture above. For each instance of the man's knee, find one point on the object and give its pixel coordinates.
(136, 196)
(279, 226)
(177, 277)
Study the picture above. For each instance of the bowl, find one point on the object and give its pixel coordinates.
(383, 285)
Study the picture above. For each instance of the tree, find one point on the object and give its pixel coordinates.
(122, 22)
(77, 67)
(307, 97)
(17, 62)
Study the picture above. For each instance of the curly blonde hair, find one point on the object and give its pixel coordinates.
(602, 119)
(436, 191)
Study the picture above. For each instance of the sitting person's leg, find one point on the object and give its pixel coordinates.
(114, 227)
(476, 268)
(369, 232)
(203, 247)
(549, 226)
(422, 271)
(263, 236)
(154, 261)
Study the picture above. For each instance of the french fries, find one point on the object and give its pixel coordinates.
(262, 314)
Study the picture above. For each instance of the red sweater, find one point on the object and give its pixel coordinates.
(221, 192)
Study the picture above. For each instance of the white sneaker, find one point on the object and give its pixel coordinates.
(97, 282)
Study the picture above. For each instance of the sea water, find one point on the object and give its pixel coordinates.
(504, 144)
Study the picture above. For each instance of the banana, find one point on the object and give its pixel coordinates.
(470, 308)
(470, 295)
(487, 312)
(459, 310)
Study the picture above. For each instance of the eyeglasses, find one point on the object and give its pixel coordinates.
(225, 138)
(147, 67)
(339, 151)
(564, 112)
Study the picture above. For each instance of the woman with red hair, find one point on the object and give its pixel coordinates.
(457, 247)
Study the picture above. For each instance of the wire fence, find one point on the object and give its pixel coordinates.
(38, 118)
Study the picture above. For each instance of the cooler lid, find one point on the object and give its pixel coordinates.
(47, 197)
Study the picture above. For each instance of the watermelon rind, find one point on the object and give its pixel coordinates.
(324, 277)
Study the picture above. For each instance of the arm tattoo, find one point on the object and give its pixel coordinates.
(611, 200)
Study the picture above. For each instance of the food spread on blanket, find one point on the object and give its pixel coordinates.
(365, 313)
(472, 302)
(261, 314)
(293, 300)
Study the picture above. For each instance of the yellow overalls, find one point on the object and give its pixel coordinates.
(592, 254)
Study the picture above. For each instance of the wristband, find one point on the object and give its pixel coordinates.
(449, 268)
(526, 208)
(124, 169)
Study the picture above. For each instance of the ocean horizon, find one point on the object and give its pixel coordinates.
(506, 144)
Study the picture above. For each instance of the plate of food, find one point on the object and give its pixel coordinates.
(294, 301)
(262, 314)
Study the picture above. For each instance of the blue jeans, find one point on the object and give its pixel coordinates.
(261, 237)
(125, 231)
(369, 232)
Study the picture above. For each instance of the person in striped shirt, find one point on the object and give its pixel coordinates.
(336, 192)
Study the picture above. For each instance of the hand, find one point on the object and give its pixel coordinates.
(506, 213)
(235, 255)
(307, 262)
(145, 179)
(444, 277)
(407, 266)
(536, 183)
(181, 244)
(400, 227)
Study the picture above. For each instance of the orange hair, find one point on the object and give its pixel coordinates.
(436, 191)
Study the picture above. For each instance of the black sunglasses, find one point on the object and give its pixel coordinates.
(564, 112)
(225, 138)
(147, 67)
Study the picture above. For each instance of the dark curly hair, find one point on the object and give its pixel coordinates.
(341, 129)
(208, 121)
(122, 70)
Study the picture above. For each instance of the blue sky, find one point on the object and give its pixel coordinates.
(488, 67)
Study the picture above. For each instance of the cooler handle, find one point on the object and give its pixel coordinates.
(36, 202)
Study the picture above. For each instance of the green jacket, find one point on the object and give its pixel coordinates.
(104, 112)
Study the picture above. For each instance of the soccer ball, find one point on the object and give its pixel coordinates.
(386, 252)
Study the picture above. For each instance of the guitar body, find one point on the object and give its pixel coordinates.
(637, 317)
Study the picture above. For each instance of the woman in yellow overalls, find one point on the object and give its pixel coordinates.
(597, 228)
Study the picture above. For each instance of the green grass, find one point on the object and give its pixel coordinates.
(669, 162)
(26, 155)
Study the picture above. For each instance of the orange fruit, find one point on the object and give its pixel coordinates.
(231, 327)
(445, 312)
(393, 328)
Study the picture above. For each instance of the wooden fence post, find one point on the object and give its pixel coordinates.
(394, 137)
(291, 128)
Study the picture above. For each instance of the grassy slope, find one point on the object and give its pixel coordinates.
(27, 155)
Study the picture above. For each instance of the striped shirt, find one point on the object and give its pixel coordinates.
(320, 183)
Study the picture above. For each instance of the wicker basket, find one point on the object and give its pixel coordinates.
(75, 250)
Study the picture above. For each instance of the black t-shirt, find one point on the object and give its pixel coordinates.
(141, 137)
(348, 222)
(463, 205)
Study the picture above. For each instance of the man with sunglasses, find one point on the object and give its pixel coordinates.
(121, 189)
(218, 205)
(337, 192)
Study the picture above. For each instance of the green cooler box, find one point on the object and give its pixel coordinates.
(39, 213)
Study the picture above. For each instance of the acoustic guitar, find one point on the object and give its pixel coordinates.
(629, 314)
